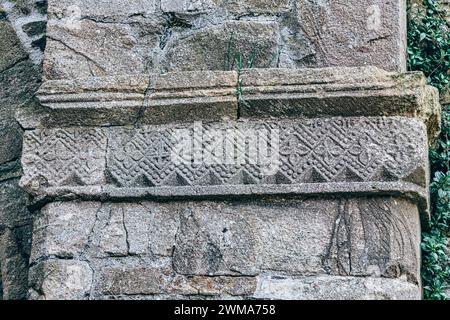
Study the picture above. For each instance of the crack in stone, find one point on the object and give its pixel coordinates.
(126, 231)
(88, 59)
(24, 59)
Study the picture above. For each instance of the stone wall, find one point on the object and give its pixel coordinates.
(19, 80)
(335, 214)
(122, 212)
(168, 35)
(275, 248)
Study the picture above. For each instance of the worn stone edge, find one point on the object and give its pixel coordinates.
(407, 190)
(147, 96)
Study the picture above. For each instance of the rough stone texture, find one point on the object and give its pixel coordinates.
(211, 248)
(334, 150)
(131, 281)
(19, 79)
(60, 280)
(137, 99)
(28, 19)
(75, 156)
(355, 32)
(10, 48)
(60, 231)
(95, 49)
(18, 84)
(203, 35)
(15, 245)
(237, 7)
(336, 288)
(122, 212)
(101, 9)
(13, 202)
(92, 38)
(196, 50)
(211, 96)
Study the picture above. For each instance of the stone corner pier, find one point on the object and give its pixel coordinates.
(155, 175)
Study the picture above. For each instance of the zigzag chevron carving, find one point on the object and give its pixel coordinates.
(236, 153)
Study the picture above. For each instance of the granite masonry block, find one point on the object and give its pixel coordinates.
(212, 249)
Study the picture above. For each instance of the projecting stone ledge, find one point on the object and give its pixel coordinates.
(310, 156)
(212, 96)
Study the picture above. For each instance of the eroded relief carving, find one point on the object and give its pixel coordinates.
(320, 150)
(370, 236)
(290, 152)
(64, 157)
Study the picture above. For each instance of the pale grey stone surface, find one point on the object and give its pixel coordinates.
(145, 35)
(355, 248)
(63, 230)
(136, 99)
(197, 51)
(212, 96)
(113, 234)
(60, 280)
(373, 149)
(336, 288)
(131, 280)
(95, 49)
(101, 9)
(356, 33)
(338, 219)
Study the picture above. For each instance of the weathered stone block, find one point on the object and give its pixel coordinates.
(214, 286)
(207, 49)
(191, 96)
(237, 7)
(299, 243)
(132, 280)
(13, 205)
(63, 229)
(77, 157)
(152, 228)
(154, 99)
(311, 156)
(336, 288)
(60, 280)
(188, 6)
(136, 223)
(17, 85)
(113, 233)
(286, 34)
(292, 93)
(218, 240)
(356, 33)
(11, 50)
(244, 7)
(15, 248)
(211, 96)
(74, 50)
(346, 237)
(99, 9)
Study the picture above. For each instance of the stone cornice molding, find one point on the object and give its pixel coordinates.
(211, 96)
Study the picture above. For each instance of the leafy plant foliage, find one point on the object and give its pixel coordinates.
(429, 51)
